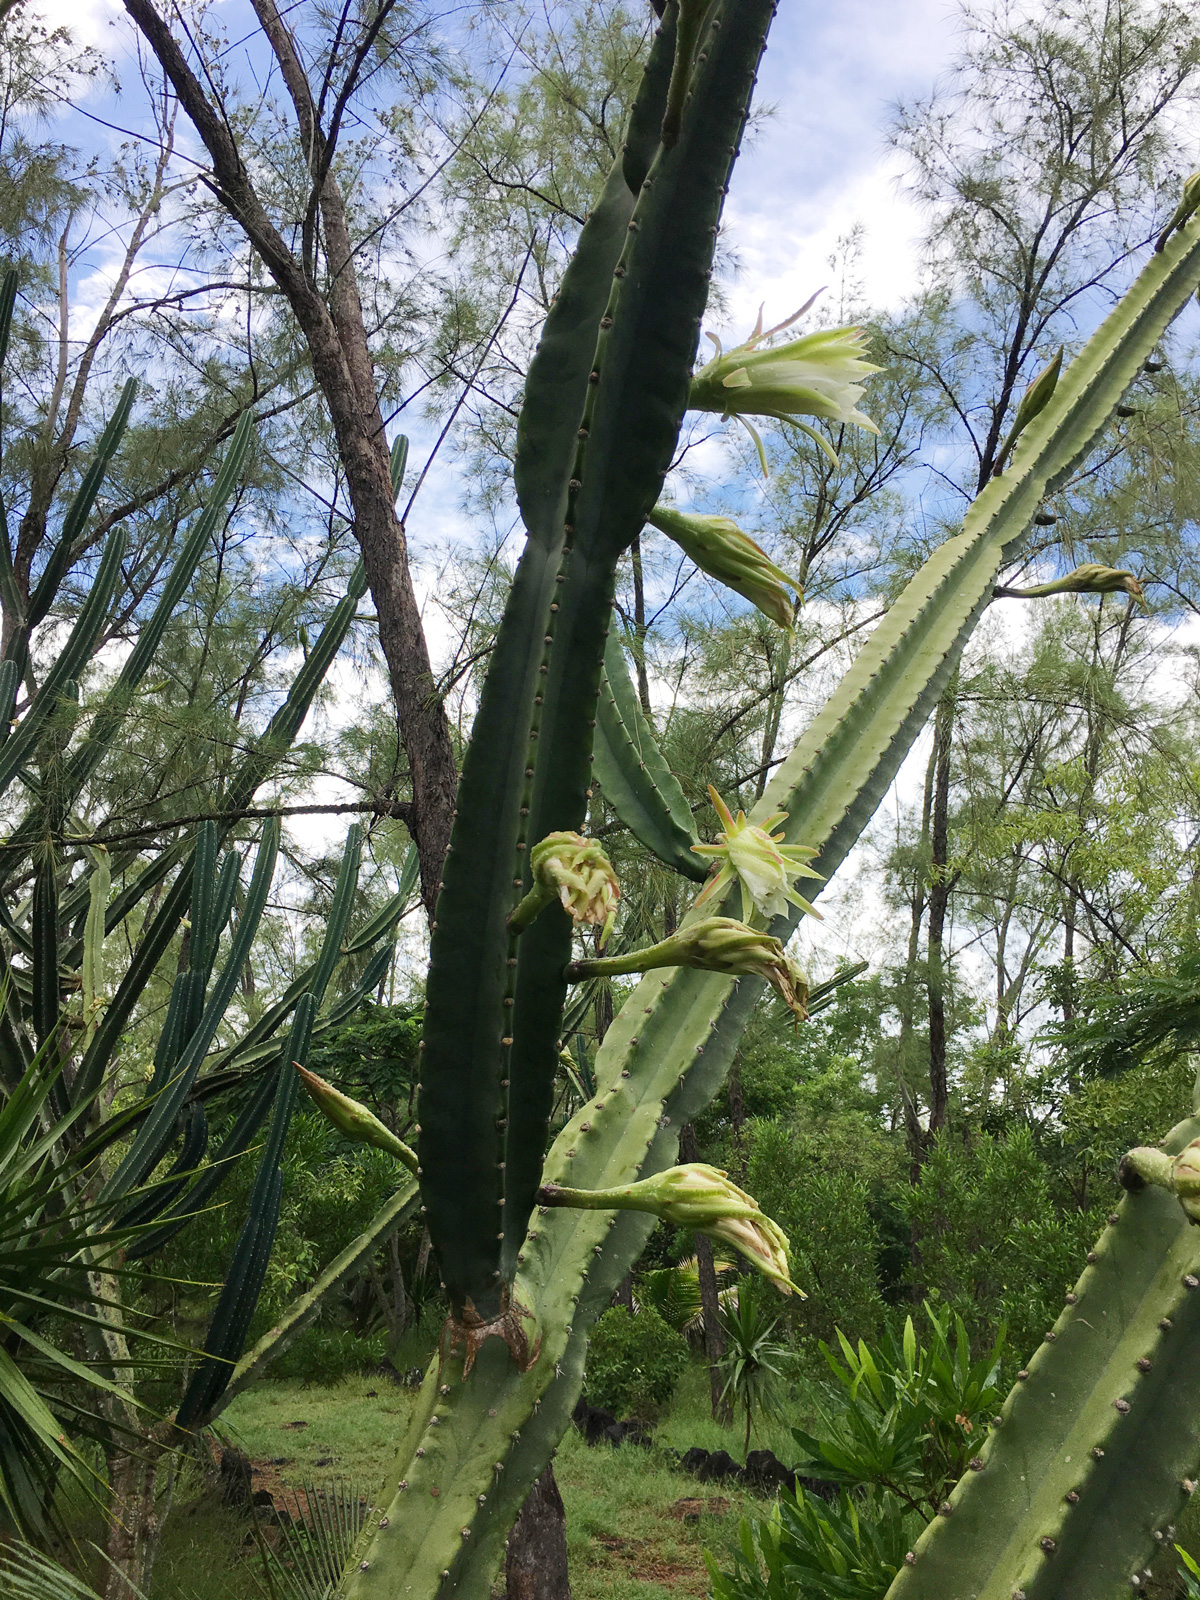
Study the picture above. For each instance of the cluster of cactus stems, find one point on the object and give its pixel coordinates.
(1094, 1451)
(532, 1243)
(52, 940)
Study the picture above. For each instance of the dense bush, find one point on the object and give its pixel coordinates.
(634, 1362)
(323, 1356)
(809, 1183)
(995, 1240)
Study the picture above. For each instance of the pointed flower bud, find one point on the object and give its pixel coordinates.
(714, 944)
(353, 1119)
(703, 1199)
(1189, 200)
(1035, 399)
(1087, 579)
(719, 547)
(819, 375)
(765, 867)
(574, 870)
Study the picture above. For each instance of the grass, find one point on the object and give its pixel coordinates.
(637, 1527)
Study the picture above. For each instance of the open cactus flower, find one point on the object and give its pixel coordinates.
(820, 375)
(703, 1199)
(762, 864)
(575, 871)
(714, 944)
(352, 1119)
(719, 547)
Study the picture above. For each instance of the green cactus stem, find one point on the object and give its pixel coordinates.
(633, 774)
(1094, 1453)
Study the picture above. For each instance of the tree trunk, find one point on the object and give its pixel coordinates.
(335, 336)
(710, 1303)
(133, 1528)
(536, 1565)
(939, 900)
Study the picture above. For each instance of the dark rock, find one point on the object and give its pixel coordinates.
(235, 1478)
(263, 1497)
(823, 1488)
(282, 1461)
(324, 1461)
(765, 1472)
(372, 1393)
(694, 1460)
(414, 1377)
(638, 1433)
(719, 1468)
(595, 1424)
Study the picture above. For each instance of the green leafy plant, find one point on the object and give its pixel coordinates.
(810, 1549)
(1189, 1572)
(634, 1362)
(755, 1364)
(908, 1414)
(900, 1423)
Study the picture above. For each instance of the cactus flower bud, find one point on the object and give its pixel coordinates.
(1087, 579)
(819, 375)
(719, 547)
(703, 1199)
(353, 1119)
(1035, 399)
(1188, 202)
(714, 944)
(1180, 1174)
(764, 866)
(574, 870)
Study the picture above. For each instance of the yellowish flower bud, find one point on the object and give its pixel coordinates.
(703, 1199)
(575, 871)
(719, 547)
(1087, 579)
(353, 1119)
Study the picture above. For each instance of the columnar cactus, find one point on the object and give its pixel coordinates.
(605, 397)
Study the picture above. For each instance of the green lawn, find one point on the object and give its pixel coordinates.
(636, 1526)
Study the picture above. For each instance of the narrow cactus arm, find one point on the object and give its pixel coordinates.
(70, 662)
(109, 716)
(235, 1143)
(78, 511)
(643, 365)
(633, 773)
(243, 1285)
(1095, 1451)
(258, 1359)
(45, 946)
(155, 1133)
(465, 1063)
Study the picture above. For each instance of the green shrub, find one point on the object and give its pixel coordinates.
(993, 1242)
(809, 1185)
(634, 1362)
(322, 1356)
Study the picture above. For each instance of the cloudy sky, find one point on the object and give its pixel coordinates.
(819, 165)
